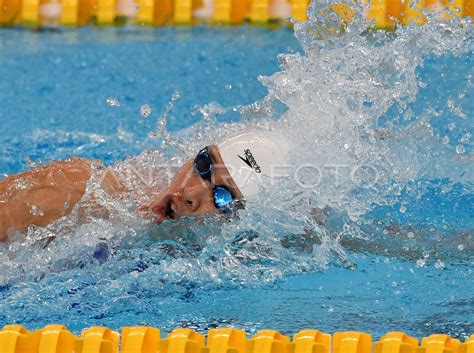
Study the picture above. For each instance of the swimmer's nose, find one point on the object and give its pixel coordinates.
(194, 198)
(191, 203)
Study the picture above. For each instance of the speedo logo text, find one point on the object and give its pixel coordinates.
(250, 161)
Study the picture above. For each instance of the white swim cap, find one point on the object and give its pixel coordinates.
(251, 156)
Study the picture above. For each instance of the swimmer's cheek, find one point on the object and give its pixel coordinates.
(208, 209)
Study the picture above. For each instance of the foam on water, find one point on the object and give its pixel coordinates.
(366, 150)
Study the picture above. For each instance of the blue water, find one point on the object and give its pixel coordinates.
(54, 89)
(69, 76)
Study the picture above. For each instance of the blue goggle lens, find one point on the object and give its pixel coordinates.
(222, 198)
(203, 164)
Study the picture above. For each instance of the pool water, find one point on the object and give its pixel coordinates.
(71, 75)
(397, 260)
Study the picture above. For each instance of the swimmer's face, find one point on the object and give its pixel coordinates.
(190, 195)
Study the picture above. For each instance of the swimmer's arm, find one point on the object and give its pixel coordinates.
(43, 195)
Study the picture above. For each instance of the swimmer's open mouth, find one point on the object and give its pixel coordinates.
(166, 209)
(170, 210)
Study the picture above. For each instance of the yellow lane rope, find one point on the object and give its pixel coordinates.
(141, 339)
(71, 13)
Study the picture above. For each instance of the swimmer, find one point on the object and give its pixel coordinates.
(217, 179)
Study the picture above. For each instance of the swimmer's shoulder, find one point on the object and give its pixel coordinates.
(79, 170)
(68, 175)
(72, 170)
(54, 189)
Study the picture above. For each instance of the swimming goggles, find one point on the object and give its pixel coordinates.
(222, 196)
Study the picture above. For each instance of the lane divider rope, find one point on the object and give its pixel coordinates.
(142, 339)
(71, 13)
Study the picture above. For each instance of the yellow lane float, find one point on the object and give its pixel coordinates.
(142, 339)
(70, 13)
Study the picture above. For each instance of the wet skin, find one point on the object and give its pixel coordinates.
(43, 195)
(190, 195)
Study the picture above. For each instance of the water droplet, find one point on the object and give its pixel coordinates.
(461, 247)
(113, 102)
(421, 263)
(394, 284)
(466, 137)
(145, 111)
(229, 87)
(445, 140)
(152, 134)
(411, 235)
(36, 211)
(403, 209)
(440, 265)
(460, 149)
(176, 95)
